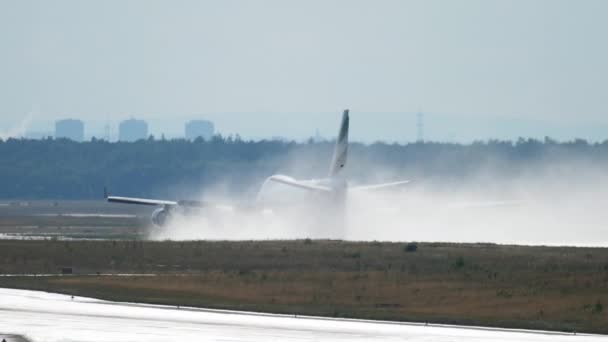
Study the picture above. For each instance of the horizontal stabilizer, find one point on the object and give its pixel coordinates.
(379, 186)
(299, 184)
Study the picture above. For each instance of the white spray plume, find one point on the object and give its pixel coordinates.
(552, 203)
(18, 130)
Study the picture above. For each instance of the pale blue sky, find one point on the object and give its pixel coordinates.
(479, 69)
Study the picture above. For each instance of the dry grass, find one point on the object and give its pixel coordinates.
(557, 288)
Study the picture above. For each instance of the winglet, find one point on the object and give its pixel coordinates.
(105, 192)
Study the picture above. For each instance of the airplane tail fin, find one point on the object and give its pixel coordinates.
(341, 150)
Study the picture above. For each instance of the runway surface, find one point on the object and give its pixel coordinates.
(42, 316)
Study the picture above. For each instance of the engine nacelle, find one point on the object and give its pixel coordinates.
(161, 216)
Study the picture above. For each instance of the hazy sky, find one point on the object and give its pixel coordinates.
(476, 68)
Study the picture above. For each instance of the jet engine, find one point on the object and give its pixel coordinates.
(161, 216)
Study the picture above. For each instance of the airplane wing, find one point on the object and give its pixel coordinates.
(146, 201)
(141, 201)
(298, 184)
(379, 186)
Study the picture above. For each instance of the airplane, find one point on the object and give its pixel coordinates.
(332, 190)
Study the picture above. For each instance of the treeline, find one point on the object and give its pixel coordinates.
(63, 169)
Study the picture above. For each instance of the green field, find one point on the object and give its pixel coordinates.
(555, 288)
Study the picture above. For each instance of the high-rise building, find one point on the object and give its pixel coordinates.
(69, 128)
(199, 128)
(132, 130)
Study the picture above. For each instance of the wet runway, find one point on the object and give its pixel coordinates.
(41, 316)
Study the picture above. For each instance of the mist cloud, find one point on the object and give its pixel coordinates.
(552, 202)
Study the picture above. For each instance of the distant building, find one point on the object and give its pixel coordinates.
(132, 130)
(199, 128)
(70, 128)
